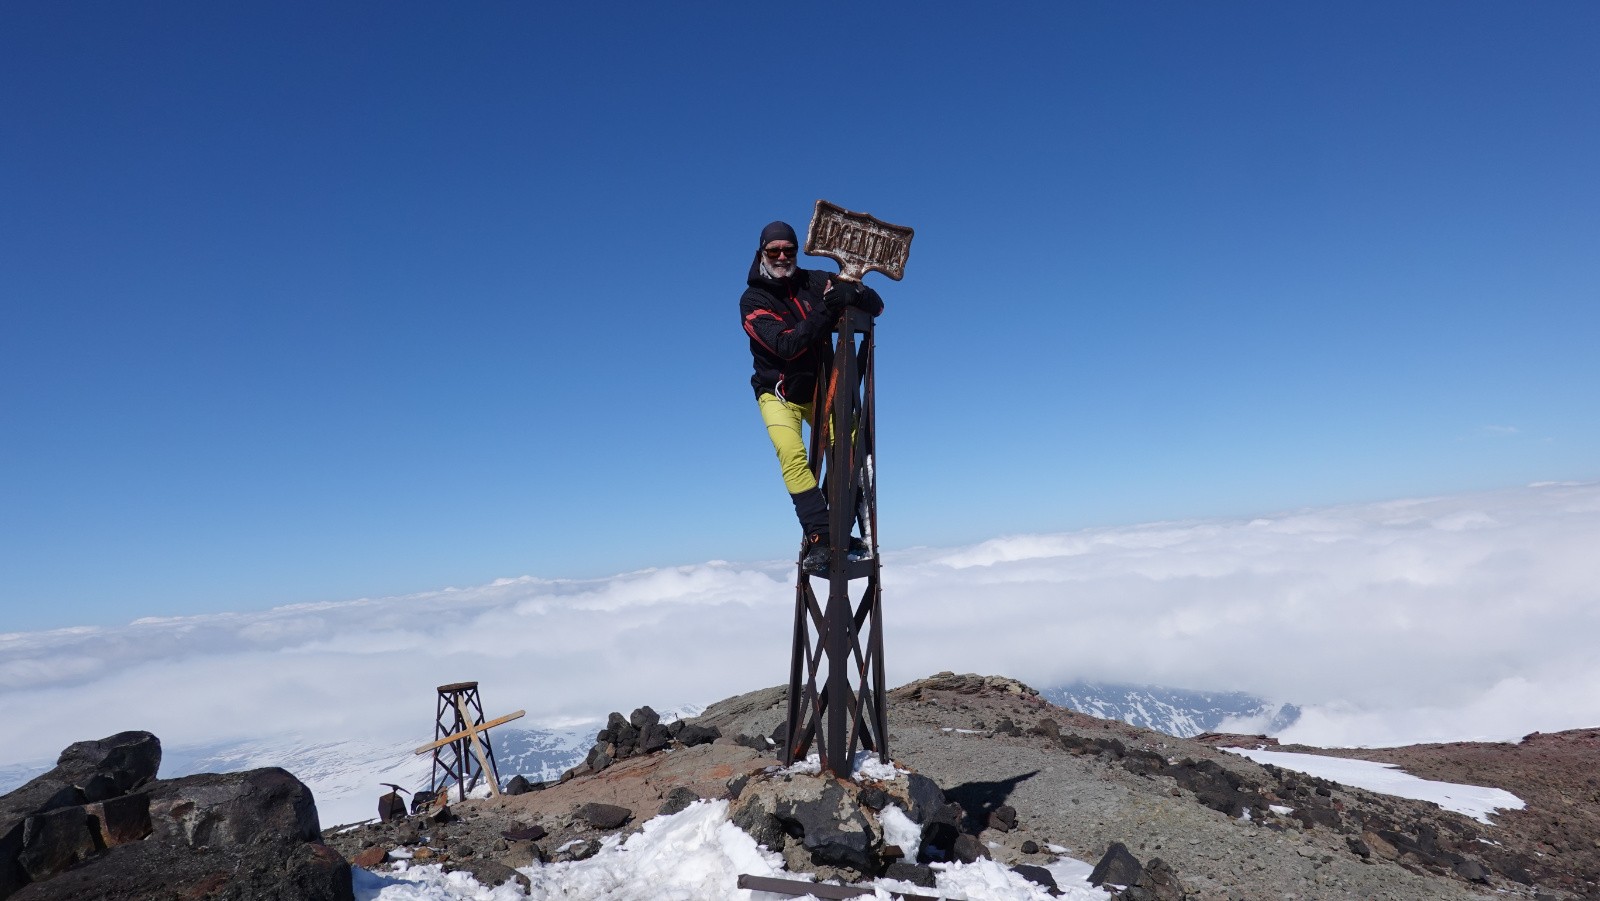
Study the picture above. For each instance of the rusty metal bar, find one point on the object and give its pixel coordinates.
(796, 888)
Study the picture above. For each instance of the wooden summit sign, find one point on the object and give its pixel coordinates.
(858, 242)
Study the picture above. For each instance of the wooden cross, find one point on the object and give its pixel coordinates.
(471, 735)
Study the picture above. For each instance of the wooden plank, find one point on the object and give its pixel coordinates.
(470, 728)
(489, 772)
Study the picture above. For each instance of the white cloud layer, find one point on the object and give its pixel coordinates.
(1465, 617)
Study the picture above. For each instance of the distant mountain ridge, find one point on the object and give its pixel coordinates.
(1179, 712)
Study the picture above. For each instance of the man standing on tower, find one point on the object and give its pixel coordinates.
(789, 314)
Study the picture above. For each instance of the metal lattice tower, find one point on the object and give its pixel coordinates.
(845, 638)
(460, 707)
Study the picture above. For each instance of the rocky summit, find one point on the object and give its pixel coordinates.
(986, 767)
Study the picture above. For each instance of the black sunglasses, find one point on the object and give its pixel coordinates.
(774, 253)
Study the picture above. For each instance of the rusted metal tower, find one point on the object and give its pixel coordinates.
(464, 755)
(845, 638)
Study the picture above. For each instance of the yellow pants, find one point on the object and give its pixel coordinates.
(783, 421)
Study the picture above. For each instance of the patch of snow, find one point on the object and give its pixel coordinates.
(986, 880)
(427, 883)
(1072, 876)
(1475, 801)
(692, 855)
(697, 855)
(865, 766)
(898, 829)
(1280, 810)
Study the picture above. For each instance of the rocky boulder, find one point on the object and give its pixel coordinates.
(99, 826)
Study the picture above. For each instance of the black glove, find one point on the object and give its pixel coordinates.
(867, 299)
(839, 295)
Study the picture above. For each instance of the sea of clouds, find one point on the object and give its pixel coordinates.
(1449, 618)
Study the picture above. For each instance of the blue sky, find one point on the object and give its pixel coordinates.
(307, 303)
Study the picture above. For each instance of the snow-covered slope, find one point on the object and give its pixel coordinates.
(1175, 711)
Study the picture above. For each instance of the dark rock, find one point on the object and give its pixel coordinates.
(938, 841)
(766, 829)
(1472, 871)
(1216, 787)
(1047, 727)
(1159, 883)
(833, 829)
(753, 742)
(678, 800)
(925, 797)
(627, 736)
(1030, 847)
(597, 760)
(1117, 867)
(674, 727)
(916, 874)
(874, 798)
(518, 785)
(524, 833)
(120, 820)
(113, 766)
(692, 735)
(604, 816)
(218, 809)
(493, 873)
(1007, 727)
(736, 785)
(442, 815)
(238, 835)
(53, 841)
(1003, 818)
(86, 772)
(654, 738)
(522, 854)
(614, 723)
(1310, 815)
(1143, 763)
(583, 850)
(1037, 876)
(1358, 847)
(644, 718)
(968, 849)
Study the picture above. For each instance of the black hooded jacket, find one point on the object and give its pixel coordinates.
(789, 327)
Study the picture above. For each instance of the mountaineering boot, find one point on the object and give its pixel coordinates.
(811, 508)
(858, 550)
(815, 554)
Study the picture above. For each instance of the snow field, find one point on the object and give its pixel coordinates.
(1475, 801)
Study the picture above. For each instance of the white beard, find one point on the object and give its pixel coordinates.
(767, 270)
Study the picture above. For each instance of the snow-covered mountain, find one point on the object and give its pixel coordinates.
(1175, 711)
